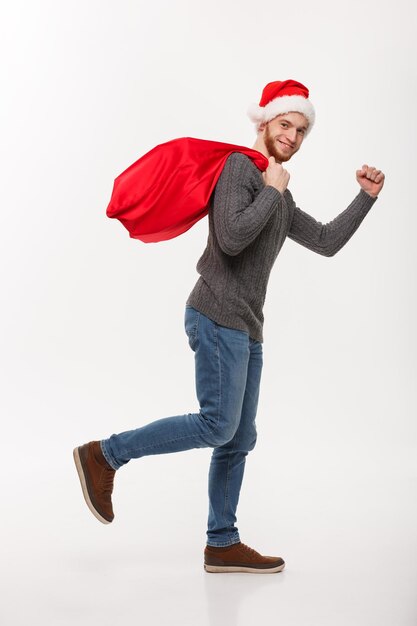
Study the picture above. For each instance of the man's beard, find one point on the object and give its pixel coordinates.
(273, 149)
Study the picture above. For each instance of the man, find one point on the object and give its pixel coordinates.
(250, 216)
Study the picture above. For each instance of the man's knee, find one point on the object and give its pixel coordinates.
(220, 434)
(221, 437)
(250, 444)
(221, 431)
(246, 443)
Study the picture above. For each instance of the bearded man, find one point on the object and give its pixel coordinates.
(251, 214)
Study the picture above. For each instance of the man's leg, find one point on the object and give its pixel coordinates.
(228, 461)
(221, 359)
(221, 362)
(224, 551)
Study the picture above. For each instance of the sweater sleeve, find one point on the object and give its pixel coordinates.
(238, 216)
(327, 239)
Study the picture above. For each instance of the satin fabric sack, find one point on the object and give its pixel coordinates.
(167, 190)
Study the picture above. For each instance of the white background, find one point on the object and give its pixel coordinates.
(92, 337)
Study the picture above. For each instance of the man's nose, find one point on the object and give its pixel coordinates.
(292, 135)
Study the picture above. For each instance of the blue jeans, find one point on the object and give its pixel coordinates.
(228, 366)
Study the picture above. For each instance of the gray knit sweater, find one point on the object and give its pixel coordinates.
(248, 224)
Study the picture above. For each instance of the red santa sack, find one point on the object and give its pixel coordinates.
(166, 191)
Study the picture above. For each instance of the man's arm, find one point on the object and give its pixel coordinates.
(238, 216)
(327, 239)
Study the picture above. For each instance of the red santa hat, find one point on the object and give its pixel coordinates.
(282, 96)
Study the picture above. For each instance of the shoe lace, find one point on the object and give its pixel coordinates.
(107, 481)
(250, 551)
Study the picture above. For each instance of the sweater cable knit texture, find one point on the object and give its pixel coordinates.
(248, 224)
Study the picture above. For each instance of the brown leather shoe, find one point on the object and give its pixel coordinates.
(240, 558)
(96, 477)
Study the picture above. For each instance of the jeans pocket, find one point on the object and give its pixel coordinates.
(191, 319)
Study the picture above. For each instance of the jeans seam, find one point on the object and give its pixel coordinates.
(192, 335)
(219, 365)
(226, 491)
(109, 458)
(224, 545)
(195, 330)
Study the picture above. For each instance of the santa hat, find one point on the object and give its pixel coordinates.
(282, 96)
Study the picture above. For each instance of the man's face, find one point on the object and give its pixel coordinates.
(284, 135)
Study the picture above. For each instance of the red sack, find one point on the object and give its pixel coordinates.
(166, 191)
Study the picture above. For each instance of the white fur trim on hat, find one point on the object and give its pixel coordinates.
(283, 104)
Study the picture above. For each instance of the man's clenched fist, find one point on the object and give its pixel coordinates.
(276, 176)
(370, 179)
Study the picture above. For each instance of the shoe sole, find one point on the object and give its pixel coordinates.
(217, 569)
(80, 470)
